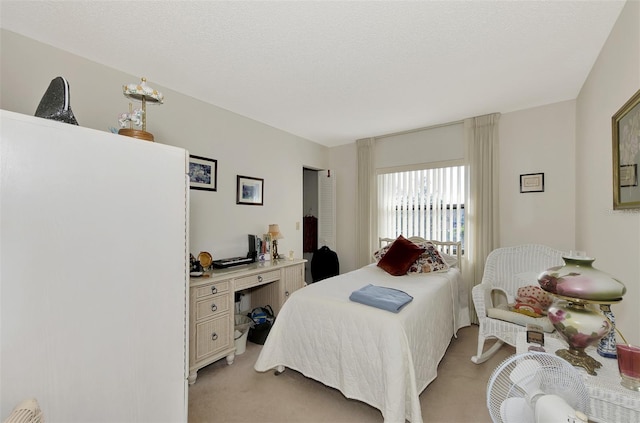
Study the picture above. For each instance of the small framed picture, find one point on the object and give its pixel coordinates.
(203, 173)
(532, 182)
(249, 191)
(535, 334)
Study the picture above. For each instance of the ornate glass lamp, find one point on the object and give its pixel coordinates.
(274, 231)
(143, 93)
(578, 288)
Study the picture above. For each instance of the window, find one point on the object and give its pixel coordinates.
(428, 203)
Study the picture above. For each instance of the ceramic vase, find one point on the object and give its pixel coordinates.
(607, 345)
(580, 324)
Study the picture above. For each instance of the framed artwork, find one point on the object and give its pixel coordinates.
(532, 182)
(203, 173)
(625, 128)
(249, 190)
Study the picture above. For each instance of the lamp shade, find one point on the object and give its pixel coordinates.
(274, 230)
(580, 280)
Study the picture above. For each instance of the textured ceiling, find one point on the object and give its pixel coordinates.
(337, 71)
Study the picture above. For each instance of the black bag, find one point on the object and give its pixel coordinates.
(262, 321)
(324, 264)
(55, 102)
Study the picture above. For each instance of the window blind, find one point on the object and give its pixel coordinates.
(428, 203)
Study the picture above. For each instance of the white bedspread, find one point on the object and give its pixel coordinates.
(381, 358)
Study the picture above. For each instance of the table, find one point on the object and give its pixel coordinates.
(609, 401)
(212, 304)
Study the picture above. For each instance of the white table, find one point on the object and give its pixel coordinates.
(609, 402)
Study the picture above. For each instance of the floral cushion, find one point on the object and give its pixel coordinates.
(377, 255)
(430, 261)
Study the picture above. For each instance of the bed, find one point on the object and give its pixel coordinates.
(382, 358)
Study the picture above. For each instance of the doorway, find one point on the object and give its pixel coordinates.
(310, 200)
(319, 213)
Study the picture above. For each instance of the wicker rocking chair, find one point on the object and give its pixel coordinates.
(506, 270)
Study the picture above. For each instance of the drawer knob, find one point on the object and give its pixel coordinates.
(214, 336)
(259, 278)
(214, 290)
(286, 293)
(214, 307)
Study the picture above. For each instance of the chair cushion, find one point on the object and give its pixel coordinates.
(503, 312)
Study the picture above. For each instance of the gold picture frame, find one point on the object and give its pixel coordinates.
(625, 126)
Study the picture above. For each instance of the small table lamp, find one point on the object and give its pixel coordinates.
(274, 231)
(144, 93)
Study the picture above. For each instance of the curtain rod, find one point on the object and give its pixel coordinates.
(440, 125)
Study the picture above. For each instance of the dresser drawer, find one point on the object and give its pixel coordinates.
(212, 336)
(256, 280)
(212, 289)
(212, 306)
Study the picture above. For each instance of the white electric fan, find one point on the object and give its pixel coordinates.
(537, 388)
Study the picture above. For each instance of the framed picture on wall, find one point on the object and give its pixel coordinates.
(532, 182)
(249, 191)
(626, 154)
(203, 173)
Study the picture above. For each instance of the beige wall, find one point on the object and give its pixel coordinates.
(343, 163)
(612, 237)
(242, 146)
(538, 140)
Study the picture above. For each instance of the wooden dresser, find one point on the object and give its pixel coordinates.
(212, 306)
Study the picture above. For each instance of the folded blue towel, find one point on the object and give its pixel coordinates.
(381, 297)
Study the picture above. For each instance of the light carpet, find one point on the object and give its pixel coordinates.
(238, 393)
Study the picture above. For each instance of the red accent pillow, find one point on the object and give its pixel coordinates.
(400, 256)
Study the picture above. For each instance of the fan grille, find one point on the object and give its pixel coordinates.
(554, 376)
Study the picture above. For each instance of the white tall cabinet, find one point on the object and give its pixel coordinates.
(93, 273)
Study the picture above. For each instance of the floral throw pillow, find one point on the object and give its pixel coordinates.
(377, 255)
(430, 261)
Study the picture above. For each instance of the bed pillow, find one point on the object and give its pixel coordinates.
(400, 256)
(449, 259)
(430, 261)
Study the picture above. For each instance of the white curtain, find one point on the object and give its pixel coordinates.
(366, 207)
(482, 211)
